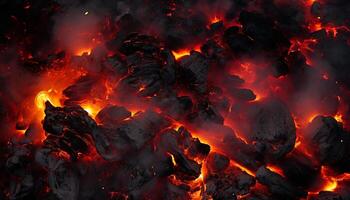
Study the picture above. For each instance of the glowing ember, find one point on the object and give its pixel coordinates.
(43, 96)
(83, 51)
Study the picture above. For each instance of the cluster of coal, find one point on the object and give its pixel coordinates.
(119, 154)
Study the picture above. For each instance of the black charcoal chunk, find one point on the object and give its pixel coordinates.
(278, 185)
(112, 115)
(194, 71)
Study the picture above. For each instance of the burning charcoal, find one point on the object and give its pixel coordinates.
(205, 113)
(110, 115)
(147, 76)
(193, 146)
(177, 143)
(239, 151)
(136, 42)
(195, 71)
(228, 184)
(115, 65)
(37, 65)
(278, 185)
(299, 169)
(330, 143)
(214, 51)
(131, 135)
(274, 129)
(80, 90)
(69, 129)
(186, 169)
(217, 26)
(326, 196)
(176, 107)
(217, 162)
(242, 94)
(75, 118)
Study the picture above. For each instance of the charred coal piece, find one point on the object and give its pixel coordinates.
(299, 169)
(261, 30)
(217, 162)
(326, 196)
(174, 106)
(185, 168)
(228, 184)
(205, 113)
(80, 90)
(278, 185)
(139, 173)
(238, 42)
(137, 42)
(113, 143)
(148, 75)
(38, 65)
(241, 94)
(112, 115)
(194, 71)
(74, 118)
(232, 80)
(274, 129)
(63, 180)
(241, 152)
(215, 52)
(280, 67)
(21, 181)
(330, 142)
(174, 192)
(177, 143)
(68, 129)
(115, 65)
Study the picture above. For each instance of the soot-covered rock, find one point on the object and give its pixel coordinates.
(329, 142)
(113, 143)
